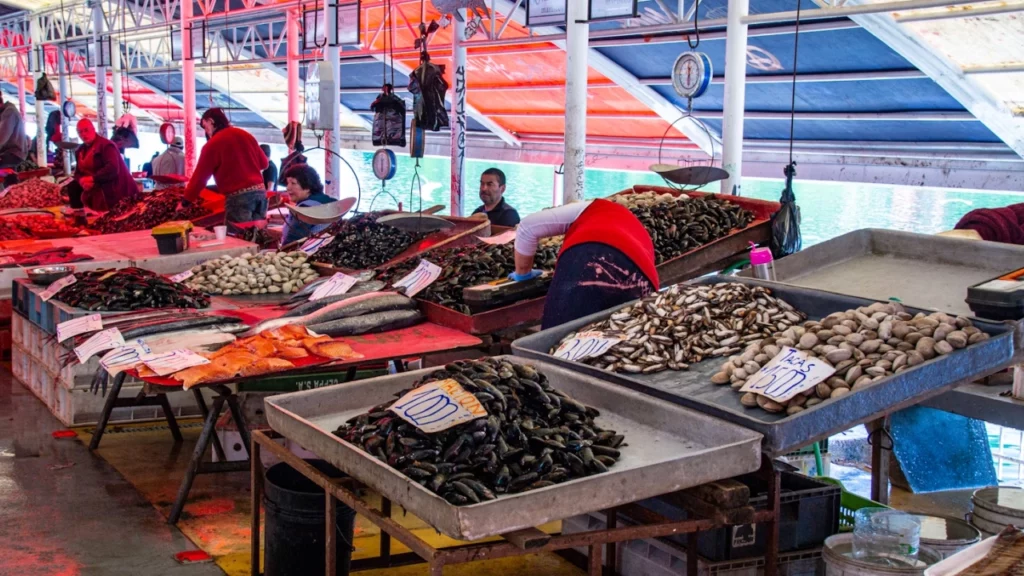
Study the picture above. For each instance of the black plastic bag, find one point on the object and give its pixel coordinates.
(44, 89)
(388, 119)
(429, 88)
(786, 238)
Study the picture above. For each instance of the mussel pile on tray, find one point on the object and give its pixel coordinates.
(361, 242)
(145, 211)
(533, 436)
(687, 324)
(465, 266)
(128, 289)
(678, 224)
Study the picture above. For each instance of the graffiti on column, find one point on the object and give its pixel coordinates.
(459, 143)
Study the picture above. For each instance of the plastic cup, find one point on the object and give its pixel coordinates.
(221, 232)
(885, 536)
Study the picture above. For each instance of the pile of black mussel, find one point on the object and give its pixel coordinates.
(534, 436)
(128, 289)
(361, 243)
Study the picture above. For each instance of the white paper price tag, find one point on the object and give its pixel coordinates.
(182, 276)
(313, 244)
(585, 345)
(789, 373)
(438, 406)
(423, 276)
(81, 325)
(337, 284)
(503, 238)
(102, 340)
(173, 361)
(52, 289)
(124, 357)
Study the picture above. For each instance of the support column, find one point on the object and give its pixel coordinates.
(294, 57)
(115, 78)
(458, 125)
(35, 34)
(735, 96)
(62, 70)
(332, 157)
(577, 35)
(22, 72)
(101, 72)
(188, 80)
(558, 188)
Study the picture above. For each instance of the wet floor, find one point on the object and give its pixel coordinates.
(66, 512)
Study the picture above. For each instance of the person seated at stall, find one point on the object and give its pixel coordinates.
(14, 142)
(270, 174)
(101, 172)
(492, 191)
(304, 189)
(171, 162)
(234, 159)
(606, 259)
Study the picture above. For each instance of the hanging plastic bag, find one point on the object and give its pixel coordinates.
(124, 133)
(429, 88)
(388, 119)
(786, 238)
(44, 89)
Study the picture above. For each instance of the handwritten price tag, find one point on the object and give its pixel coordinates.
(585, 345)
(124, 357)
(503, 238)
(89, 323)
(337, 284)
(173, 361)
(52, 289)
(789, 373)
(423, 276)
(182, 276)
(102, 340)
(438, 406)
(313, 244)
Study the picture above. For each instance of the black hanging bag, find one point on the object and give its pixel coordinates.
(786, 238)
(388, 118)
(44, 89)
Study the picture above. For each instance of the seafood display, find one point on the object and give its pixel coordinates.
(145, 211)
(302, 305)
(361, 243)
(128, 289)
(34, 193)
(687, 324)
(863, 345)
(533, 436)
(42, 225)
(678, 224)
(11, 231)
(368, 312)
(465, 266)
(264, 273)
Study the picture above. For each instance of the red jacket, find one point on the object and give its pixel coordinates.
(111, 179)
(234, 159)
(612, 224)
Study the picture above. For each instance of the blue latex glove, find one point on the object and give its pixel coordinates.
(519, 278)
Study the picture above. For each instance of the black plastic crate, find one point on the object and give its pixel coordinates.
(809, 514)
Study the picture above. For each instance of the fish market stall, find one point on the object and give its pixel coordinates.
(147, 210)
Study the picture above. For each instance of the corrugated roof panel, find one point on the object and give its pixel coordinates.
(867, 130)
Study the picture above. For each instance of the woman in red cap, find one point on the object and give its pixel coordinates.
(606, 259)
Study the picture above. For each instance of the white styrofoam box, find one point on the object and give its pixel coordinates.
(35, 342)
(20, 360)
(231, 442)
(17, 330)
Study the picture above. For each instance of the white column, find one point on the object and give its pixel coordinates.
(332, 186)
(735, 96)
(294, 57)
(101, 72)
(62, 71)
(115, 77)
(575, 100)
(21, 84)
(188, 89)
(558, 188)
(458, 124)
(38, 64)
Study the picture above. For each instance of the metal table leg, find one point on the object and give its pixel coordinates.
(256, 472)
(385, 538)
(881, 446)
(204, 411)
(330, 554)
(197, 458)
(771, 556)
(172, 422)
(236, 415)
(108, 408)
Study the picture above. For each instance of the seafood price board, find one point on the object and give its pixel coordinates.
(78, 326)
(586, 345)
(338, 284)
(423, 276)
(102, 340)
(52, 289)
(438, 406)
(789, 373)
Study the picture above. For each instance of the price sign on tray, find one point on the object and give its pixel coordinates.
(124, 357)
(789, 373)
(173, 361)
(181, 277)
(438, 406)
(585, 345)
(313, 244)
(337, 284)
(102, 340)
(81, 325)
(423, 276)
(52, 289)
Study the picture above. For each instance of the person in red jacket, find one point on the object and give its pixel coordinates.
(606, 259)
(101, 172)
(234, 159)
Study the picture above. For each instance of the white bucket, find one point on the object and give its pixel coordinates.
(997, 507)
(839, 561)
(945, 535)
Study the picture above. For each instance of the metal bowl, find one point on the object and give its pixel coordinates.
(46, 275)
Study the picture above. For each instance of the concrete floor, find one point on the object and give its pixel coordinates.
(66, 512)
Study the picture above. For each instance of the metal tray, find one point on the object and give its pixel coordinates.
(784, 433)
(522, 313)
(923, 270)
(669, 448)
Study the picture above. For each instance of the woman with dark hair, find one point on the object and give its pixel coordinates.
(304, 189)
(234, 159)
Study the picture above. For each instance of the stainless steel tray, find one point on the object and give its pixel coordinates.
(923, 270)
(669, 448)
(784, 433)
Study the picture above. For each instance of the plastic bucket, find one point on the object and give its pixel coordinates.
(946, 535)
(839, 561)
(295, 524)
(997, 507)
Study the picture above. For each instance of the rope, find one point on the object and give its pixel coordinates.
(696, 26)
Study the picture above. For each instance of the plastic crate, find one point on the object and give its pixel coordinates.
(809, 514)
(806, 450)
(849, 503)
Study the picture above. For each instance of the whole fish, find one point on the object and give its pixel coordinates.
(369, 323)
(308, 307)
(368, 303)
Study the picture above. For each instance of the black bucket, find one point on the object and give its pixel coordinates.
(295, 523)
